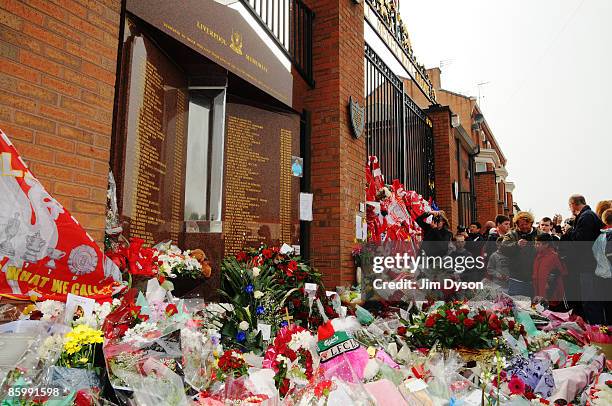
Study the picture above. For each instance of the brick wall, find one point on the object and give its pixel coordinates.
(337, 159)
(486, 200)
(445, 156)
(57, 77)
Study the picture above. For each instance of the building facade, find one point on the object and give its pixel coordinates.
(471, 172)
(202, 113)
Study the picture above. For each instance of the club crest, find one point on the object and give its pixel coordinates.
(357, 115)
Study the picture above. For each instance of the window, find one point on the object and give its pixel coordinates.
(204, 165)
(481, 167)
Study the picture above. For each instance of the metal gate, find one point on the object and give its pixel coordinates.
(397, 130)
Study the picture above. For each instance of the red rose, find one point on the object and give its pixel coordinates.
(171, 309)
(431, 321)
(451, 317)
(511, 324)
(241, 256)
(267, 253)
(401, 330)
(469, 323)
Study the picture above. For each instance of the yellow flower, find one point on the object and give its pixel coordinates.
(29, 309)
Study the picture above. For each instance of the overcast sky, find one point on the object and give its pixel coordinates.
(548, 100)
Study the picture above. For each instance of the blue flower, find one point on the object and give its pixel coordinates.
(249, 288)
(259, 310)
(283, 323)
(241, 336)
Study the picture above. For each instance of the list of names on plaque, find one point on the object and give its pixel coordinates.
(147, 211)
(285, 185)
(243, 192)
(177, 202)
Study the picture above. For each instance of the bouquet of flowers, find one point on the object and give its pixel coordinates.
(125, 316)
(454, 324)
(175, 263)
(231, 363)
(80, 346)
(291, 358)
(292, 274)
(135, 259)
(253, 294)
(288, 268)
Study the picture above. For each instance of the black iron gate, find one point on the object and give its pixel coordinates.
(397, 130)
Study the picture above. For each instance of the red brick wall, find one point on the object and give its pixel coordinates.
(337, 159)
(486, 200)
(445, 156)
(57, 77)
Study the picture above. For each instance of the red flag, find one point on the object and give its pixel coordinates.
(44, 251)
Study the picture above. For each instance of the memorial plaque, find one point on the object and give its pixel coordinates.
(220, 32)
(261, 195)
(155, 142)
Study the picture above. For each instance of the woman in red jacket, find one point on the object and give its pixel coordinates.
(548, 272)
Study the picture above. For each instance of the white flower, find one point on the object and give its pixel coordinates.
(303, 339)
(282, 359)
(256, 271)
(258, 294)
(51, 309)
(51, 346)
(244, 325)
(139, 332)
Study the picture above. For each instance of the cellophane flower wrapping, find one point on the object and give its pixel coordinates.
(73, 379)
(238, 391)
(158, 384)
(133, 365)
(324, 391)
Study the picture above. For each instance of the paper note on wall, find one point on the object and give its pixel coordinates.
(306, 206)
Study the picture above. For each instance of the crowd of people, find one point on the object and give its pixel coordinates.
(566, 264)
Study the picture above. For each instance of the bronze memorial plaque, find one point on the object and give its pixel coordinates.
(155, 142)
(261, 196)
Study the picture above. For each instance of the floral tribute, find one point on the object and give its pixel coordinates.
(79, 347)
(231, 364)
(164, 261)
(290, 356)
(454, 325)
(264, 286)
(125, 316)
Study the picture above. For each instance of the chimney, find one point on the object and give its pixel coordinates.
(434, 76)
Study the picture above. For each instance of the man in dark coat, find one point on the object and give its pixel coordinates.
(581, 261)
(475, 240)
(436, 235)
